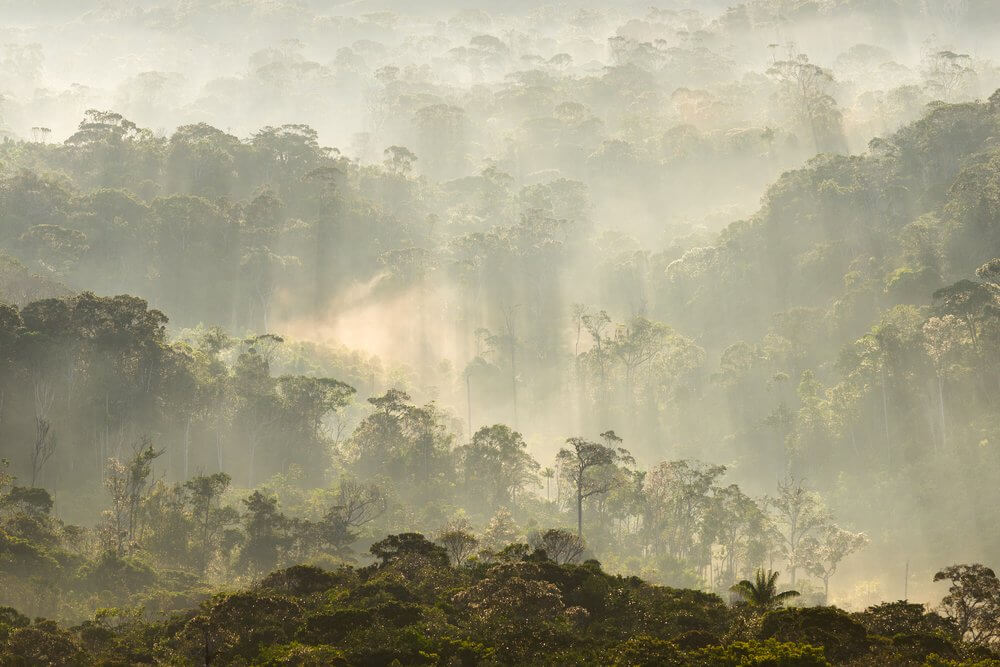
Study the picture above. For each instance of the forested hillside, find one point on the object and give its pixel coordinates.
(646, 336)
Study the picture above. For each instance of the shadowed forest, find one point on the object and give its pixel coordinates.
(372, 333)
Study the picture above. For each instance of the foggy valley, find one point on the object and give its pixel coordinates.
(380, 332)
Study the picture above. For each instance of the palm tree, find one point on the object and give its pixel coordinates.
(762, 593)
(548, 474)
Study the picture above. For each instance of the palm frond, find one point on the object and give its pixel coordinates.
(762, 592)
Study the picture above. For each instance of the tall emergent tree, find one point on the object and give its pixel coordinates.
(583, 465)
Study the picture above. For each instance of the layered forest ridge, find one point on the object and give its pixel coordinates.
(608, 336)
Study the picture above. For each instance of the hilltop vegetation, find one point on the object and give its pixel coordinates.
(417, 605)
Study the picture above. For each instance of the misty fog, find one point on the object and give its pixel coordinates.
(408, 258)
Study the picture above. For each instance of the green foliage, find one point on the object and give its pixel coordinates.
(646, 651)
(10, 620)
(768, 653)
(416, 608)
(846, 330)
(262, 407)
(939, 661)
(406, 544)
(901, 617)
(112, 573)
(300, 580)
(922, 646)
(42, 643)
(972, 602)
(497, 467)
(834, 630)
(762, 593)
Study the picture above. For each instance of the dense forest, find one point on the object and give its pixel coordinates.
(604, 335)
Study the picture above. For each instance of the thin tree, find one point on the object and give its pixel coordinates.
(581, 464)
(595, 325)
(799, 514)
(43, 447)
(559, 545)
(510, 334)
(823, 555)
(128, 485)
(548, 474)
(209, 519)
(459, 544)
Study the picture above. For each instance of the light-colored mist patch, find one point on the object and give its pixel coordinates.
(409, 326)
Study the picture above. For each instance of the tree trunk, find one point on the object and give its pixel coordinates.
(218, 446)
(944, 434)
(885, 417)
(513, 383)
(253, 450)
(468, 400)
(187, 446)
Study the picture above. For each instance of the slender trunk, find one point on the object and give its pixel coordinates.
(579, 514)
(972, 333)
(603, 387)
(944, 435)
(815, 133)
(513, 382)
(97, 451)
(208, 651)
(906, 582)
(253, 450)
(203, 560)
(885, 416)
(422, 310)
(629, 391)
(187, 446)
(793, 544)
(218, 445)
(468, 400)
